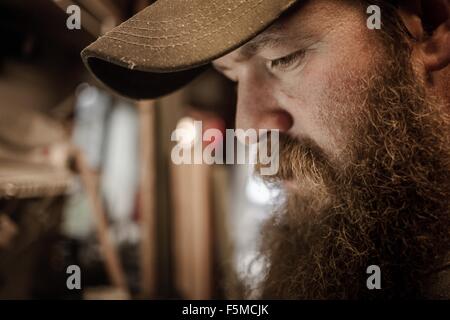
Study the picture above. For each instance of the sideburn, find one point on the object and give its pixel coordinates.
(389, 207)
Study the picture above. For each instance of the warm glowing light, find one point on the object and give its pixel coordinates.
(187, 133)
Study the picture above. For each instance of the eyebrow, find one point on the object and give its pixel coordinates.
(251, 48)
(270, 39)
(260, 42)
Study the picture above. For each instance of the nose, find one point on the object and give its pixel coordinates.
(257, 106)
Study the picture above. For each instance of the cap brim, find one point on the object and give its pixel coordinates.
(169, 43)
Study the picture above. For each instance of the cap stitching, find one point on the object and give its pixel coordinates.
(181, 18)
(176, 44)
(179, 34)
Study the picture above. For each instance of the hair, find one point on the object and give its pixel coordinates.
(389, 206)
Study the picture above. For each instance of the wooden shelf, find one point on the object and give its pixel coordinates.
(29, 180)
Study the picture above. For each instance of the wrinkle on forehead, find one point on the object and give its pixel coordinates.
(306, 19)
(305, 22)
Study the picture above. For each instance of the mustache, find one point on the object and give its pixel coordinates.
(386, 199)
(389, 205)
(299, 158)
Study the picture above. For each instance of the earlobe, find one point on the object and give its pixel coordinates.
(428, 23)
(436, 49)
(410, 12)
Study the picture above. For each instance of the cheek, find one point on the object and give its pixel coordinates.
(307, 97)
(324, 100)
(338, 108)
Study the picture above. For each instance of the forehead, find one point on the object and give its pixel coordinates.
(302, 22)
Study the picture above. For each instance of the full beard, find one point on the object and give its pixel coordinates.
(387, 206)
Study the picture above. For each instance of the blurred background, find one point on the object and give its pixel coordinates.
(86, 177)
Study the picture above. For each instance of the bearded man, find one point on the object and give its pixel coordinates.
(364, 125)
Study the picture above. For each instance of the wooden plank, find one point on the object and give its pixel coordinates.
(192, 236)
(147, 206)
(112, 260)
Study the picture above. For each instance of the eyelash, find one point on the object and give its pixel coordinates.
(287, 61)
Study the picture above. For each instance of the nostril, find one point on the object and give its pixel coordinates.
(280, 120)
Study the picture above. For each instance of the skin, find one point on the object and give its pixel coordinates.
(299, 96)
(364, 144)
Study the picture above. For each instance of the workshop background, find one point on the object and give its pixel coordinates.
(86, 177)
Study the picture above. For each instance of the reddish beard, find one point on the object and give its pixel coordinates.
(388, 206)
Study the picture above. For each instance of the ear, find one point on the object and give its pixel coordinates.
(428, 21)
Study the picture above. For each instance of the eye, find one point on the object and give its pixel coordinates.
(288, 62)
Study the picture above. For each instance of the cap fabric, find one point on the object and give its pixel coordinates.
(170, 42)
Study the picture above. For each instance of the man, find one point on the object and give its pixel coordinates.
(364, 122)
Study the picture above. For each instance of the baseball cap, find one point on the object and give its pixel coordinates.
(169, 43)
